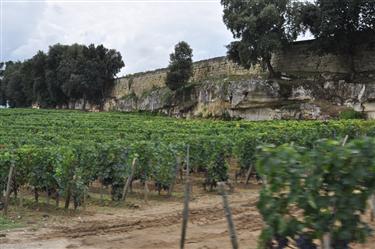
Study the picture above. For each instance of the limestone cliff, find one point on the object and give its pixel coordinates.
(311, 87)
(255, 99)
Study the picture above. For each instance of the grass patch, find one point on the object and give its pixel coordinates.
(7, 224)
(351, 114)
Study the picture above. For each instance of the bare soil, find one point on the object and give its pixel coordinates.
(156, 224)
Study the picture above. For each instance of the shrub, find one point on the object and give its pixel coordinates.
(180, 66)
(351, 114)
(312, 192)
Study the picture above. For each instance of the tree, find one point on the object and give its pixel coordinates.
(180, 67)
(368, 15)
(70, 73)
(262, 27)
(40, 91)
(2, 91)
(339, 25)
(100, 67)
(54, 79)
(15, 84)
(306, 16)
(87, 72)
(64, 74)
(27, 81)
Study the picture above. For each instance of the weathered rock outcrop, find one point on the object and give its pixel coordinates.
(255, 99)
(312, 86)
(140, 83)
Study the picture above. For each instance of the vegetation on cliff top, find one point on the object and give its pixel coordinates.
(268, 26)
(180, 67)
(261, 27)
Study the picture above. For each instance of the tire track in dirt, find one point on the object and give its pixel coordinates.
(154, 227)
(244, 213)
(150, 227)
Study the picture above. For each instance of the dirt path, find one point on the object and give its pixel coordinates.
(157, 225)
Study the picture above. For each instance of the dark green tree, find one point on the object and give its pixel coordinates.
(13, 85)
(63, 75)
(87, 72)
(368, 15)
(70, 72)
(261, 28)
(54, 78)
(306, 16)
(180, 67)
(339, 25)
(100, 68)
(27, 81)
(40, 90)
(2, 91)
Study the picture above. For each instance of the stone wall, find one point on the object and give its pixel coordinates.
(312, 87)
(301, 57)
(143, 82)
(256, 99)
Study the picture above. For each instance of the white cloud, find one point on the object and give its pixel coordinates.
(18, 20)
(144, 33)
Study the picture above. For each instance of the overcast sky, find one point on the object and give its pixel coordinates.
(144, 32)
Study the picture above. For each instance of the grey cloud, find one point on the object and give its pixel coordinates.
(19, 22)
(145, 34)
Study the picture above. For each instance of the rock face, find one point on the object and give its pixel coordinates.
(255, 99)
(312, 86)
(143, 82)
(303, 57)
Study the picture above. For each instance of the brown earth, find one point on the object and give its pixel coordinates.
(156, 224)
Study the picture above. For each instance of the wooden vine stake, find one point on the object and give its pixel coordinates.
(372, 207)
(21, 199)
(68, 195)
(248, 174)
(101, 191)
(129, 180)
(146, 190)
(57, 195)
(228, 215)
(176, 170)
(85, 190)
(7, 193)
(326, 241)
(345, 140)
(185, 214)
